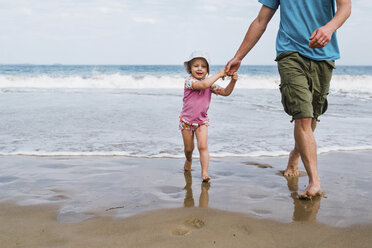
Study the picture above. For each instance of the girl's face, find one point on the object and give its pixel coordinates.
(199, 68)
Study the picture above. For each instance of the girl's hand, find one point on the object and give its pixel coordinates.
(235, 77)
(222, 73)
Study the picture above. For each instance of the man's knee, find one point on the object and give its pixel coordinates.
(304, 123)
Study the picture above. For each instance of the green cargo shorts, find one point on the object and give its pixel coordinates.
(304, 84)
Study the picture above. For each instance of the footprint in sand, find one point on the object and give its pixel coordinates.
(194, 222)
(184, 229)
(241, 228)
(262, 166)
(180, 231)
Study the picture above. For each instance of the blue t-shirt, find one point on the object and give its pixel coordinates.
(298, 20)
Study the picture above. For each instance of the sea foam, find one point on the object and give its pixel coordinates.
(340, 83)
(220, 154)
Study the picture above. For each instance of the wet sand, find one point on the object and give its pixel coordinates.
(36, 226)
(138, 202)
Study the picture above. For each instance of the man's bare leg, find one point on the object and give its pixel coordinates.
(306, 146)
(188, 142)
(294, 157)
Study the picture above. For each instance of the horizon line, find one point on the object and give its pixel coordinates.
(62, 64)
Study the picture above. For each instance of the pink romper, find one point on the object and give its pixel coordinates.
(196, 104)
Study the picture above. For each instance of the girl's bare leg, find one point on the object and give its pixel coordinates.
(188, 142)
(202, 138)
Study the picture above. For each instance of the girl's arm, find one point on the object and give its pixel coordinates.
(206, 83)
(230, 87)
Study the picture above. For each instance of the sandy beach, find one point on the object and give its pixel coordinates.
(36, 226)
(139, 202)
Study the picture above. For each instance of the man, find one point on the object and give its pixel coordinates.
(306, 48)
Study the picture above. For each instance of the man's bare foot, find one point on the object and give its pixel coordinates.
(310, 191)
(292, 167)
(187, 165)
(206, 178)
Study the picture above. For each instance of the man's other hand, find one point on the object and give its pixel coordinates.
(320, 37)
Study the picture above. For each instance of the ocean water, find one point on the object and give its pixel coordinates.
(133, 111)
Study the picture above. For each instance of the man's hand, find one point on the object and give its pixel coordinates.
(232, 66)
(320, 37)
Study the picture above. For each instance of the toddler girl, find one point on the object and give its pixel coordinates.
(197, 97)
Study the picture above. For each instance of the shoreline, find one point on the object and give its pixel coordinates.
(279, 154)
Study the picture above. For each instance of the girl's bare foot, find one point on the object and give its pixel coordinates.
(292, 167)
(187, 165)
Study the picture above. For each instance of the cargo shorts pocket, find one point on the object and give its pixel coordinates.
(320, 104)
(331, 64)
(288, 101)
(321, 88)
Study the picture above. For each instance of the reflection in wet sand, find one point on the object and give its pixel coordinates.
(303, 210)
(189, 197)
(204, 196)
(259, 165)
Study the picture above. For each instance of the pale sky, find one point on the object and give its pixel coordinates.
(152, 31)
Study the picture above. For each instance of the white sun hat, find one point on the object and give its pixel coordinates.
(194, 55)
